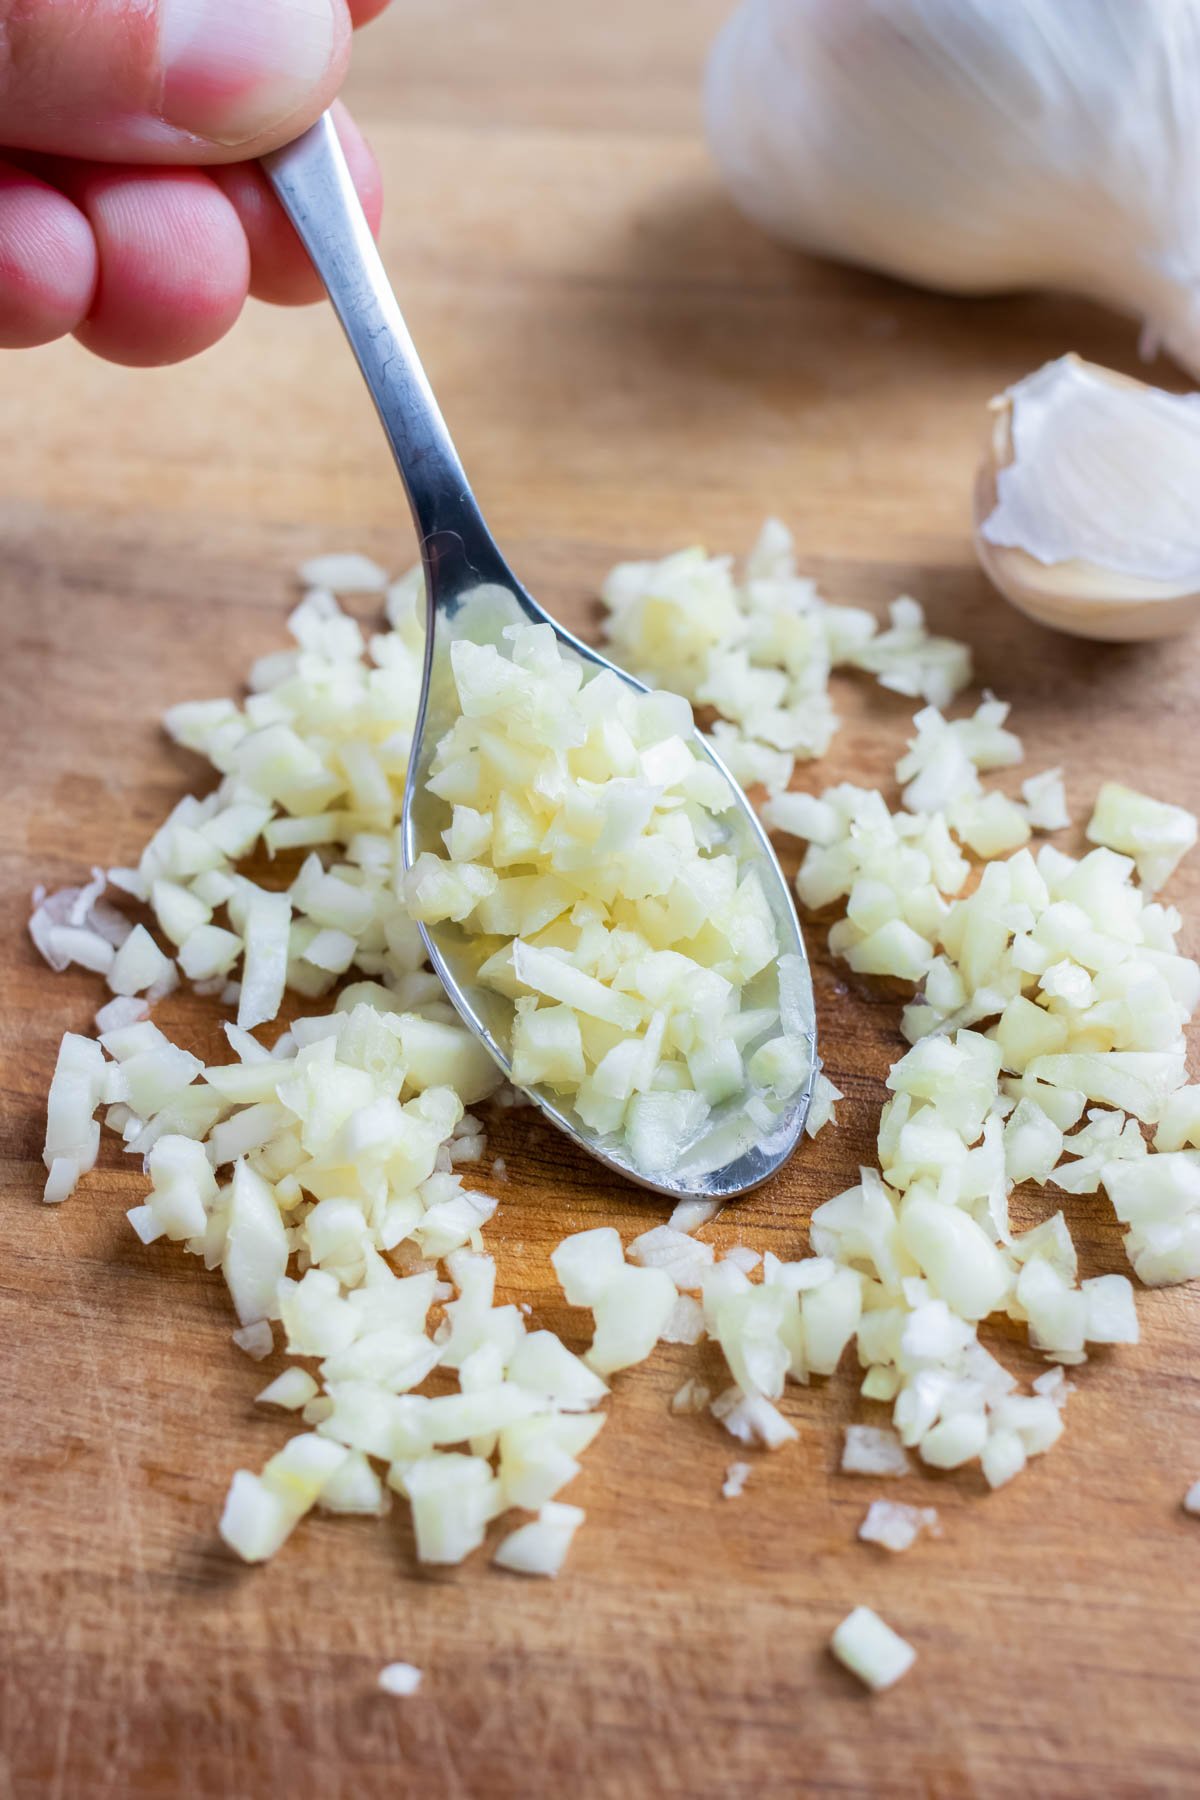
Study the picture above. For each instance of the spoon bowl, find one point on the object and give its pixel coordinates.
(471, 593)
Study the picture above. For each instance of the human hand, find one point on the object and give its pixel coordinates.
(131, 212)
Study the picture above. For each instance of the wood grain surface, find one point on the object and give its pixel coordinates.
(628, 367)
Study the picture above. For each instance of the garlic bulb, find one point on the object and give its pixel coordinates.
(976, 147)
(1087, 503)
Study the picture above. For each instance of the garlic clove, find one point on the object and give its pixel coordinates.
(1087, 503)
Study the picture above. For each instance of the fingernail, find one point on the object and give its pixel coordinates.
(233, 69)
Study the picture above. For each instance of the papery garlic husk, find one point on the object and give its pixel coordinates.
(1087, 502)
(974, 146)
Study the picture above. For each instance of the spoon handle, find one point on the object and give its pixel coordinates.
(313, 183)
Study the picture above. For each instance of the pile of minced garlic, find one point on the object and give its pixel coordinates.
(324, 1172)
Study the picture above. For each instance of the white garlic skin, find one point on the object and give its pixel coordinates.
(1087, 503)
(976, 146)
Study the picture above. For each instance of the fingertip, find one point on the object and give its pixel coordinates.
(280, 270)
(363, 11)
(174, 264)
(48, 261)
(250, 77)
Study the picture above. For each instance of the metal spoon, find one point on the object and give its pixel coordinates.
(460, 559)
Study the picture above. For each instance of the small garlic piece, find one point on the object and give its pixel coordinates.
(870, 1649)
(1087, 503)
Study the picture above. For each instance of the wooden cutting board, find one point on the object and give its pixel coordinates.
(628, 368)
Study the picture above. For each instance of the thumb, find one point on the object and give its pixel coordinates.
(166, 80)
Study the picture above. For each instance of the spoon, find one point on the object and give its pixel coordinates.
(471, 592)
